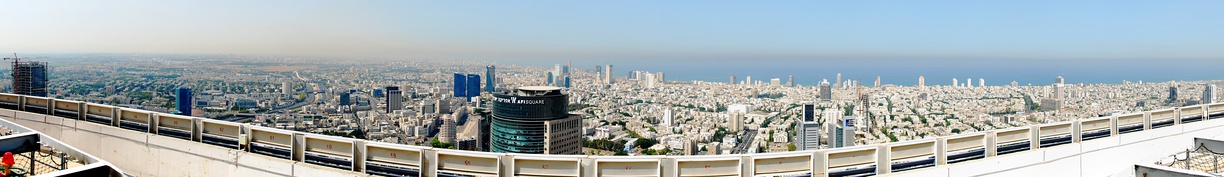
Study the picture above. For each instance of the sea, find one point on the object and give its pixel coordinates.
(935, 71)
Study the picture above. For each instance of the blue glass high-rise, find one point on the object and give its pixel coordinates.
(473, 85)
(460, 85)
(182, 101)
(490, 78)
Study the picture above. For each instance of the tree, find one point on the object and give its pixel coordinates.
(790, 147)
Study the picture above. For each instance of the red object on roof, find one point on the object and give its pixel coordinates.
(8, 158)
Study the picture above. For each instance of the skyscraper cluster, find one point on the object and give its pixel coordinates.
(466, 86)
(560, 76)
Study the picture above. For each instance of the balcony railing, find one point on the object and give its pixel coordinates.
(404, 160)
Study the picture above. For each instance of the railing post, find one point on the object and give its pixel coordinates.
(587, 166)
(991, 145)
(1177, 116)
(506, 167)
(50, 107)
(116, 116)
(82, 110)
(747, 166)
(815, 163)
(299, 147)
(1204, 108)
(197, 129)
(1076, 134)
(429, 162)
(1113, 126)
(667, 167)
(883, 159)
(154, 118)
(941, 151)
(21, 102)
(359, 156)
(1034, 137)
(1147, 120)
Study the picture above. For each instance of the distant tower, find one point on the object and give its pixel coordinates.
(287, 89)
(921, 81)
(981, 82)
(29, 78)
(790, 81)
(1209, 94)
(732, 82)
(473, 86)
(775, 82)
(460, 85)
(1172, 94)
(182, 101)
(394, 100)
(557, 74)
(826, 92)
(969, 82)
(608, 74)
(1058, 89)
(748, 80)
(877, 82)
(955, 83)
(839, 81)
(1015, 84)
(567, 81)
(345, 99)
(490, 78)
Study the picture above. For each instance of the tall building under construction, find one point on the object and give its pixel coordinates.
(30, 78)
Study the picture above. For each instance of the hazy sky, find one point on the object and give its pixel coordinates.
(636, 30)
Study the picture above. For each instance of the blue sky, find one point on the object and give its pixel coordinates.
(610, 31)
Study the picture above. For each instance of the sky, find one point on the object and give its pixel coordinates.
(666, 32)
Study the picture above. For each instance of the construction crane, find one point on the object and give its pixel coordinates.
(18, 59)
(35, 82)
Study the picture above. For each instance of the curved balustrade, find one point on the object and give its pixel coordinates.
(403, 160)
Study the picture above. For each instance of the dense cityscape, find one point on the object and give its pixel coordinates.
(611, 88)
(444, 104)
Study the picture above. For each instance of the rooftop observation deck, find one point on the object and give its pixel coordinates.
(144, 143)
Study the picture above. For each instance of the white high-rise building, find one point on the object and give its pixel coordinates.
(286, 89)
(1209, 95)
(839, 81)
(921, 81)
(446, 133)
(648, 79)
(955, 83)
(748, 80)
(969, 82)
(775, 82)
(608, 74)
(981, 82)
(668, 118)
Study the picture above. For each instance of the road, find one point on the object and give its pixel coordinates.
(742, 147)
